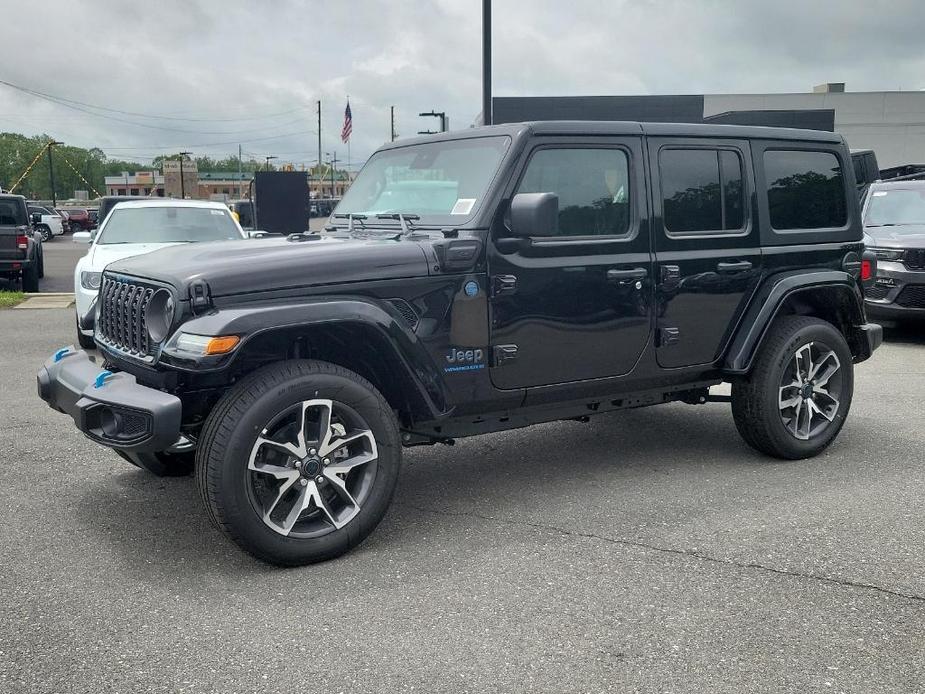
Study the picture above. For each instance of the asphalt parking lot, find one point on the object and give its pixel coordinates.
(648, 551)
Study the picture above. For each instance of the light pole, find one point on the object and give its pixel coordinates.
(51, 172)
(182, 187)
(268, 158)
(434, 114)
(486, 63)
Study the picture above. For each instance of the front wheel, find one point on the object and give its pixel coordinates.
(298, 462)
(797, 396)
(45, 231)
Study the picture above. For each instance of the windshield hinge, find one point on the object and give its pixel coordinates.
(200, 295)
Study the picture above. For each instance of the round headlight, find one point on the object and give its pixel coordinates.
(159, 315)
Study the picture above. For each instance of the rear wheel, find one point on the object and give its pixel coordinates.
(298, 462)
(41, 264)
(799, 391)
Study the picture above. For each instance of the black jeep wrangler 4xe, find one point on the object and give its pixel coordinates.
(478, 281)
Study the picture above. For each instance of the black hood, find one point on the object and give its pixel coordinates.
(255, 265)
(905, 236)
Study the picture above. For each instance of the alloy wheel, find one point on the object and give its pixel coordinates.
(312, 468)
(810, 390)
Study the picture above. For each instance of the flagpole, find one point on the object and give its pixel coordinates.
(348, 142)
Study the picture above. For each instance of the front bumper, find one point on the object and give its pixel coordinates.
(110, 408)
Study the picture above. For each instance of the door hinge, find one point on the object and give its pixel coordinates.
(503, 284)
(504, 354)
(668, 336)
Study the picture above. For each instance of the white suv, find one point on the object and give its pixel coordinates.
(50, 224)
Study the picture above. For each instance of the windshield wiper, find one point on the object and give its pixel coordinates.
(350, 216)
(406, 221)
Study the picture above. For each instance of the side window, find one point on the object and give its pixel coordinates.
(592, 185)
(806, 190)
(702, 191)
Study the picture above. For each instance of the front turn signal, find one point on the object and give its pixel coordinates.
(222, 345)
(206, 345)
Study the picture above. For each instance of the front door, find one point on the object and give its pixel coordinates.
(575, 306)
(708, 253)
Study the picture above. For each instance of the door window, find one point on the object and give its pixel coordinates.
(806, 190)
(702, 191)
(592, 185)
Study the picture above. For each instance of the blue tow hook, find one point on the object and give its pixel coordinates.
(61, 353)
(101, 378)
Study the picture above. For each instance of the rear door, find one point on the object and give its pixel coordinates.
(708, 249)
(578, 305)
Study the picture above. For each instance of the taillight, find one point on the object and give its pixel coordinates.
(22, 242)
(867, 270)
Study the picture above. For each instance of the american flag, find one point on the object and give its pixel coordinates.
(348, 124)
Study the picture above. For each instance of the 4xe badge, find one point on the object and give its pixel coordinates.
(464, 360)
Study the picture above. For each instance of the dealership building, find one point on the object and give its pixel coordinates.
(892, 123)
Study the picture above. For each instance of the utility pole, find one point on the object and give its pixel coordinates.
(182, 185)
(394, 134)
(51, 172)
(268, 158)
(333, 170)
(486, 62)
(240, 175)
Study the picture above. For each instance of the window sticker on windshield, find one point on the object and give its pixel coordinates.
(879, 193)
(218, 212)
(463, 206)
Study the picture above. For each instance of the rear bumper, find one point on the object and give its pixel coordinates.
(110, 408)
(14, 265)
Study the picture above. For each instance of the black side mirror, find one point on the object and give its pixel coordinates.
(36, 217)
(535, 214)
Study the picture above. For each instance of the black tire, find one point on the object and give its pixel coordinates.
(30, 278)
(45, 231)
(83, 340)
(247, 410)
(41, 264)
(756, 401)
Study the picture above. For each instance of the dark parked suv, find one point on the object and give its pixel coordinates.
(894, 227)
(21, 253)
(479, 281)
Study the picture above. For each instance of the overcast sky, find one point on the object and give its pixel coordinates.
(250, 72)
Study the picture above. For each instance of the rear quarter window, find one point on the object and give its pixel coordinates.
(12, 213)
(806, 190)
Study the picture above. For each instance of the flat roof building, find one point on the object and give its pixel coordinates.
(892, 123)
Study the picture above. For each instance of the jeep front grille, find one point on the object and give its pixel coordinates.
(914, 258)
(122, 316)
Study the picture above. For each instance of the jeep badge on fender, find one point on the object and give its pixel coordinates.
(594, 264)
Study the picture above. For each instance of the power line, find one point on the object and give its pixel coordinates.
(59, 99)
(81, 109)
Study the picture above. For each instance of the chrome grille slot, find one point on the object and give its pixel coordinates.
(122, 323)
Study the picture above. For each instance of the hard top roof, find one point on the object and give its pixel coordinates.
(602, 128)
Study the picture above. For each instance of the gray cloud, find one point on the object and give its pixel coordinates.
(237, 60)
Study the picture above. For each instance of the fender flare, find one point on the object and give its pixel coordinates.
(767, 303)
(253, 321)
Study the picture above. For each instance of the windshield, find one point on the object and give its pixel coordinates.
(167, 225)
(896, 207)
(443, 182)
